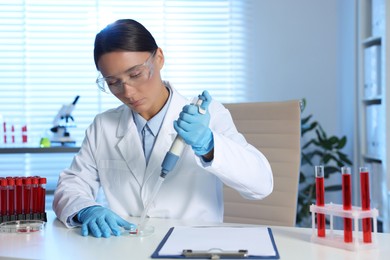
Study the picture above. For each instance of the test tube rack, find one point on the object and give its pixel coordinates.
(22, 198)
(335, 239)
(33, 216)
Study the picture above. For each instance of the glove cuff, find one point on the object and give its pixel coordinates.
(208, 145)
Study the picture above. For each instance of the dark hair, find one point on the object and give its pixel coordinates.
(123, 35)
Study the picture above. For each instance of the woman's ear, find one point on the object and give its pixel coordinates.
(159, 58)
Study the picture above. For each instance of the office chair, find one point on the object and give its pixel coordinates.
(274, 128)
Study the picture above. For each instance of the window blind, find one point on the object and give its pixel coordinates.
(46, 59)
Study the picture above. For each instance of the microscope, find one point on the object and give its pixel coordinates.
(62, 122)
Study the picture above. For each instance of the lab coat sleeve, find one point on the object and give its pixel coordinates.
(237, 163)
(78, 185)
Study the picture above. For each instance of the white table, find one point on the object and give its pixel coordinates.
(58, 242)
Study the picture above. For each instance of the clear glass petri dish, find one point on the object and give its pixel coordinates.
(22, 226)
(144, 232)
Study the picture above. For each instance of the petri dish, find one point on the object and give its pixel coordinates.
(144, 232)
(22, 226)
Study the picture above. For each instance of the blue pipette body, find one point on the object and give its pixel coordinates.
(177, 147)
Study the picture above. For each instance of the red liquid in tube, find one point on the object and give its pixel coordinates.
(5, 132)
(3, 197)
(41, 195)
(34, 194)
(27, 196)
(365, 197)
(13, 133)
(320, 199)
(11, 196)
(19, 195)
(347, 202)
(24, 134)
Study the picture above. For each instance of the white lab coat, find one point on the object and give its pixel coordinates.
(111, 157)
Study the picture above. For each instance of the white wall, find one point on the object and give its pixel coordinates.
(305, 49)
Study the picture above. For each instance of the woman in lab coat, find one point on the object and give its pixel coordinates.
(116, 157)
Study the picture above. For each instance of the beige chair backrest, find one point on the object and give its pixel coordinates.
(274, 128)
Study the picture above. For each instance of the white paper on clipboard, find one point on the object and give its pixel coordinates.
(257, 240)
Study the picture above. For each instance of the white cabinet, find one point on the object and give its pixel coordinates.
(373, 102)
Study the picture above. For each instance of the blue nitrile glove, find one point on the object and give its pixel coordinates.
(101, 221)
(193, 126)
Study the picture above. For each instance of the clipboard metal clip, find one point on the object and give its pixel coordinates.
(215, 254)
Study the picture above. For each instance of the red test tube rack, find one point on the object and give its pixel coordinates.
(22, 198)
(351, 239)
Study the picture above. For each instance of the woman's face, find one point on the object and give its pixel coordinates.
(135, 79)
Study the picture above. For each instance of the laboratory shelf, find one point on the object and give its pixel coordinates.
(55, 149)
(373, 40)
(372, 126)
(373, 100)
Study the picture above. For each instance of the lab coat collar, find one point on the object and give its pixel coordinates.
(126, 122)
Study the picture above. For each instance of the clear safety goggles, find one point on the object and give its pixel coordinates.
(135, 76)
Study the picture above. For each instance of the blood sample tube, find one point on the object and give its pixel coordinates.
(34, 193)
(11, 196)
(41, 194)
(320, 199)
(27, 195)
(12, 133)
(3, 197)
(19, 196)
(24, 134)
(5, 131)
(347, 202)
(365, 198)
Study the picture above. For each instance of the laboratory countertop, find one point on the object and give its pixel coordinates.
(58, 242)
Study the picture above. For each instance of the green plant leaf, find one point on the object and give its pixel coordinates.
(306, 159)
(342, 143)
(329, 169)
(305, 129)
(307, 144)
(344, 158)
(326, 158)
(305, 120)
(302, 178)
(322, 131)
(333, 140)
(319, 136)
(333, 188)
(303, 104)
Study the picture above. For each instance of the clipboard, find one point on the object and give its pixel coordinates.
(218, 242)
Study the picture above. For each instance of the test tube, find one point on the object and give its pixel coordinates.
(19, 196)
(5, 131)
(347, 202)
(3, 197)
(24, 134)
(11, 196)
(41, 194)
(27, 195)
(34, 193)
(365, 198)
(12, 133)
(320, 199)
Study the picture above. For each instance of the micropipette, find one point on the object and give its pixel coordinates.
(167, 165)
